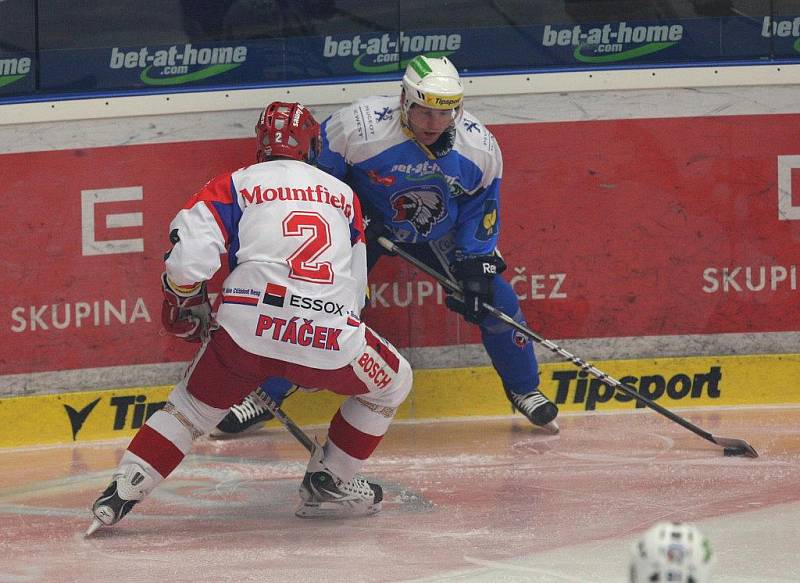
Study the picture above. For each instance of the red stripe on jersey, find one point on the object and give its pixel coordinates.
(350, 440)
(220, 223)
(246, 300)
(218, 189)
(383, 351)
(358, 222)
(156, 450)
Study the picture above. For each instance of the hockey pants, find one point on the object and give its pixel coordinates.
(378, 380)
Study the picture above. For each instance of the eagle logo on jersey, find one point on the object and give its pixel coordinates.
(422, 208)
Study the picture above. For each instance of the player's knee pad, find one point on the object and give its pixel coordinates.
(401, 386)
(384, 372)
(395, 392)
(505, 299)
(192, 413)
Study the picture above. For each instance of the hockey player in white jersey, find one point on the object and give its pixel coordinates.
(428, 174)
(290, 309)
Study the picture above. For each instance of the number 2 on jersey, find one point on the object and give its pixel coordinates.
(302, 263)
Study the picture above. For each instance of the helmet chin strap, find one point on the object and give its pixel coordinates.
(443, 143)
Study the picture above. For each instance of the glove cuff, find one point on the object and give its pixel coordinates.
(477, 266)
(182, 291)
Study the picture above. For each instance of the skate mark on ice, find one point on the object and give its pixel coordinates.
(553, 577)
(21, 575)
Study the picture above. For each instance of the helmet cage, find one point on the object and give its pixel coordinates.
(286, 130)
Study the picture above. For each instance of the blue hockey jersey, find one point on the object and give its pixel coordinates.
(420, 198)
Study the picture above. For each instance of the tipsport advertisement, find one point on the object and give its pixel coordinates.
(438, 393)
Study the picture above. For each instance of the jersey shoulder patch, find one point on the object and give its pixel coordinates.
(476, 143)
(473, 134)
(365, 128)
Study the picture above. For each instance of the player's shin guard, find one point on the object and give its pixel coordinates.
(128, 486)
(515, 361)
(153, 453)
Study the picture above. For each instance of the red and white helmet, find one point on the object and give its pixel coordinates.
(287, 130)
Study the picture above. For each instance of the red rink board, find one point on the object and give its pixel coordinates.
(607, 226)
(635, 211)
(44, 265)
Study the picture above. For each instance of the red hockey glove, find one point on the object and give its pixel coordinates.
(185, 312)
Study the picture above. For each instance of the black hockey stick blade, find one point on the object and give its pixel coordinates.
(732, 446)
(735, 447)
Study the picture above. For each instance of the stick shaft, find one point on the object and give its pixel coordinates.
(276, 410)
(579, 362)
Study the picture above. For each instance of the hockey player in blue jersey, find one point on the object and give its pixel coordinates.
(428, 176)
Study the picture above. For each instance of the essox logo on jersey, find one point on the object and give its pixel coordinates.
(316, 305)
(274, 295)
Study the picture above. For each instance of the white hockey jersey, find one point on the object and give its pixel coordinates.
(295, 243)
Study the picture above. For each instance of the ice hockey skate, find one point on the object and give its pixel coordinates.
(324, 495)
(123, 493)
(537, 408)
(247, 416)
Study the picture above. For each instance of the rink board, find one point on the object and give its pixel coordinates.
(619, 228)
(440, 393)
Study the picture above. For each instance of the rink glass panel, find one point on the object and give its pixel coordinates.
(127, 47)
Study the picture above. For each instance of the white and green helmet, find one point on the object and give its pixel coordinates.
(432, 82)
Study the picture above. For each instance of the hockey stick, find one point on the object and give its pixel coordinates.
(278, 413)
(732, 446)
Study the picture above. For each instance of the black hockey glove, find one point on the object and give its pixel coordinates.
(476, 276)
(374, 227)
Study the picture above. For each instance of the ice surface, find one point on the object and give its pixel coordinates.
(489, 499)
